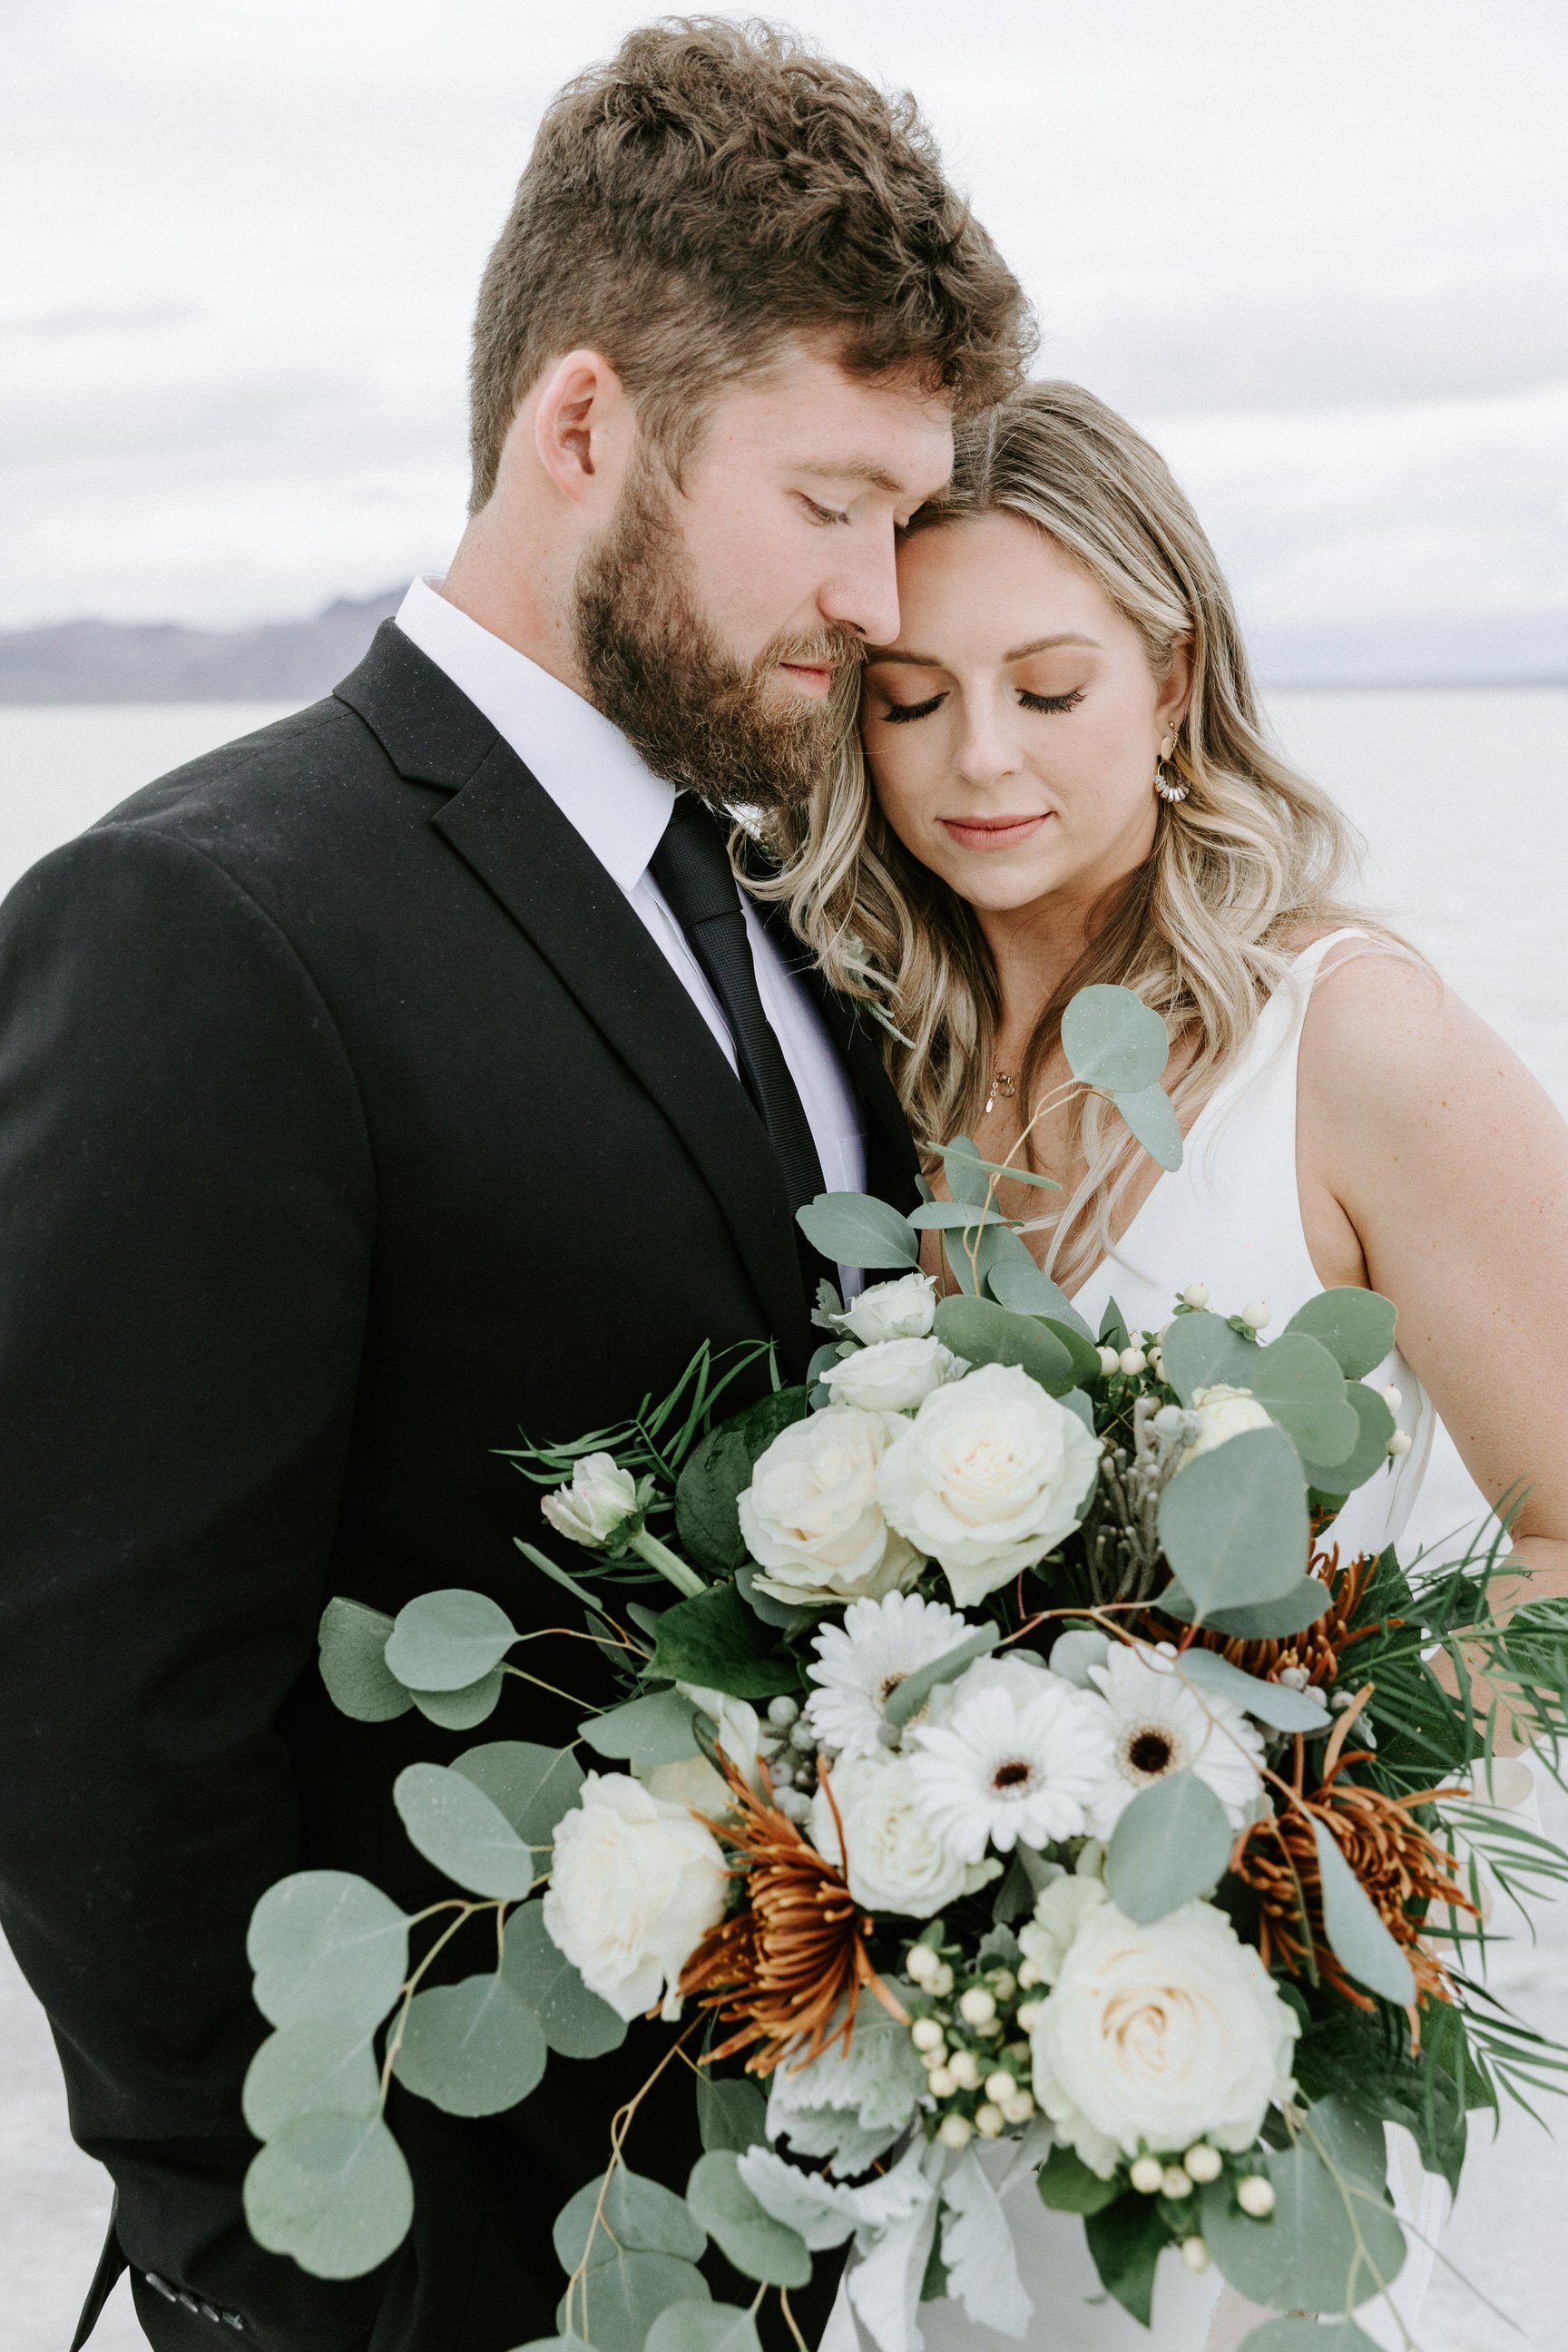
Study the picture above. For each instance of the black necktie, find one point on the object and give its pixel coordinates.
(691, 867)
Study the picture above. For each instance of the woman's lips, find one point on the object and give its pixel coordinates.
(993, 832)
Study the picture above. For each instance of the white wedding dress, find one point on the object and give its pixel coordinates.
(1230, 1216)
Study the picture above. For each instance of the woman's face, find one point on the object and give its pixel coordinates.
(1014, 727)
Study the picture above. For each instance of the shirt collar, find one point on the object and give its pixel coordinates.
(584, 763)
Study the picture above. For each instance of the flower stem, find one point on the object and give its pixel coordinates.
(658, 1555)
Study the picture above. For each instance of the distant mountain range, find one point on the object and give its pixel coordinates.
(295, 661)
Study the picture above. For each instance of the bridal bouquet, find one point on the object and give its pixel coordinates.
(1019, 1781)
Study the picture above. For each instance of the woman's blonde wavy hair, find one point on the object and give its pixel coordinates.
(1240, 871)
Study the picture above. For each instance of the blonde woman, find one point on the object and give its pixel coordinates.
(1065, 778)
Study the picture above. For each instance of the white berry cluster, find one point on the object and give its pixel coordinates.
(790, 1750)
(969, 2032)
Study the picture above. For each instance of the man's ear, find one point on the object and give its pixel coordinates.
(583, 430)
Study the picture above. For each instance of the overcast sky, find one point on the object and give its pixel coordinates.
(1319, 249)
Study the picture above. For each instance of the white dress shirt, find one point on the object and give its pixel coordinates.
(620, 808)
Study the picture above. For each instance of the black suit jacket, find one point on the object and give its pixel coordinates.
(349, 1121)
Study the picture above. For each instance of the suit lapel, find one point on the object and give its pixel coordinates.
(511, 835)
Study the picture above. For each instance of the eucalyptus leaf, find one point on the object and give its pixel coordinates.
(744, 2230)
(1114, 1041)
(984, 1253)
(954, 1217)
(1268, 1621)
(555, 2344)
(1356, 1327)
(323, 2065)
(651, 1731)
(1233, 1523)
(628, 2211)
(1296, 2334)
(1367, 1456)
(624, 2298)
(857, 1229)
(331, 2190)
(1028, 1291)
(1085, 1354)
(1360, 1943)
(730, 2111)
(1113, 1332)
(1147, 1110)
(907, 1698)
(984, 1333)
(574, 2021)
(968, 1176)
(715, 1639)
(1067, 2186)
(351, 1640)
(1173, 1842)
(448, 1641)
(472, 2048)
(532, 1785)
(464, 1832)
(703, 2327)
(1076, 1650)
(462, 1710)
(1275, 1704)
(1295, 1379)
(1328, 2246)
(325, 1944)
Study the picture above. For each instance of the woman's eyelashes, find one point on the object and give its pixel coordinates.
(901, 714)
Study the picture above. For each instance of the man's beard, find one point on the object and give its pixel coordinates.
(729, 730)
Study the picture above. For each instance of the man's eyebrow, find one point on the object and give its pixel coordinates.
(857, 470)
(1018, 653)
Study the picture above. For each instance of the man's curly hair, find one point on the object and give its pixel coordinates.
(714, 191)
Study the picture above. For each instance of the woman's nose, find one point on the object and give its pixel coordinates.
(988, 748)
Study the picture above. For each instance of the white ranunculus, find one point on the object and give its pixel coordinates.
(634, 1886)
(893, 1376)
(600, 1499)
(811, 1517)
(889, 1854)
(904, 1309)
(990, 1476)
(1153, 2037)
(1221, 1413)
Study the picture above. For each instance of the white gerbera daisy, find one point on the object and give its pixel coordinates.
(1161, 1725)
(861, 1662)
(1005, 1768)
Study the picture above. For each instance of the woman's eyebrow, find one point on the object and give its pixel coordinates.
(1018, 653)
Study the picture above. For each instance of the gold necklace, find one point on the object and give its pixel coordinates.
(1001, 1083)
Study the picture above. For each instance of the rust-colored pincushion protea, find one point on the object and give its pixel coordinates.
(1317, 1651)
(1401, 1867)
(794, 1959)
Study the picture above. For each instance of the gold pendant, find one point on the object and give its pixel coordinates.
(1001, 1085)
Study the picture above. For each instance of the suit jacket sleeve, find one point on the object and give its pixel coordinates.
(185, 1213)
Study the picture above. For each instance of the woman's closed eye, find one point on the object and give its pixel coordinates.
(901, 714)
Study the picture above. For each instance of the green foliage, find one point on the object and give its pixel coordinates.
(623, 2297)
(1266, 1620)
(325, 1944)
(716, 1640)
(648, 1731)
(1361, 1942)
(351, 1640)
(745, 2232)
(1113, 1040)
(636, 2244)
(532, 1785)
(1296, 2334)
(1356, 1327)
(472, 2049)
(1067, 2186)
(1369, 1454)
(975, 1258)
(909, 1695)
(857, 1229)
(1173, 1842)
(703, 2327)
(1332, 2241)
(1147, 1111)
(1125, 2241)
(331, 2190)
(717, 1472)
(462, 1710)
(323, 2065)
(1272, 1703)
(573, 2019)
(463, 1831)
(1366, 2060)
(1233, 1523)
(985, 1333)
(730, 2110)
(1028, 1291)
(1295, 1379)
(448, 1641)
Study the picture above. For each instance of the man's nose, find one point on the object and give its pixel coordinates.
(863, 592)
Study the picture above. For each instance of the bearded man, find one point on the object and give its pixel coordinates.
(411, 1071)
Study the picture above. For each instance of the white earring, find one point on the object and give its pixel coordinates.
(1169, 782)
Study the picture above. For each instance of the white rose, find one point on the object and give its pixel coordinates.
(634, 1886)
(990, 1474)
(1061, 1910)
(893, 1376)
(894, 1861)
(1156, 2036)
(601, 1497)
(1221, 1413)
(904, 1309)
(811, 1517)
